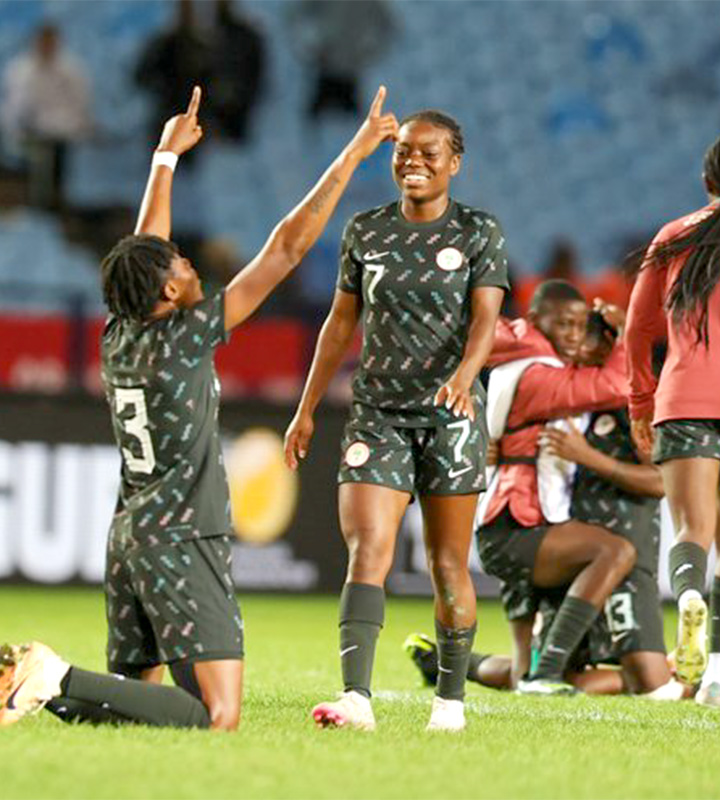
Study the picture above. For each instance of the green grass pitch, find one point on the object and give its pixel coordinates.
(514, 747)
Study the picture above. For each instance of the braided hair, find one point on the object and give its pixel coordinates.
(440, 120)
(690, 293)
(134, 273)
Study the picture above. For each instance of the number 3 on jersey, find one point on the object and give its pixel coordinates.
(136, 426)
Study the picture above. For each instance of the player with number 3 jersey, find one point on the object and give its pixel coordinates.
(426, 276)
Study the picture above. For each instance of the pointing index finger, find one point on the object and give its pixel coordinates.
(377, 103)
(194, 104)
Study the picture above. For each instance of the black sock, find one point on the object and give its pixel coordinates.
(136, 701)
(571, 623)
(79, 711)
(688, 565)
(454, 648)
(715, 616)
(362, 613)
(474, 665)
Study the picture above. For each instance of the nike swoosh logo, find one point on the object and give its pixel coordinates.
(373, 256)
(442, 669)
(348, 649)
(682, 568)
(454, 473)
(10, 704)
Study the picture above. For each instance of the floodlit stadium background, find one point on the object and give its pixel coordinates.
(585, 123)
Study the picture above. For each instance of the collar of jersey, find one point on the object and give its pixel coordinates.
(425, 226)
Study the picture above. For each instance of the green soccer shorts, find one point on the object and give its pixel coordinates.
(508, 552)
(171, 602)
(686, 438)
(445, 459)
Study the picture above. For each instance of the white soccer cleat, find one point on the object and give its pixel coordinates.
(691, 651)
(352, 710)
(446, 715)
(30, 676)
(709, 695)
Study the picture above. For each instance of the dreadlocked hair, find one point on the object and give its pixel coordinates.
(134, 274)
(457, 141)
(690, 293)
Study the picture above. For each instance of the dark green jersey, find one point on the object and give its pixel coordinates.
(416, 282)
(597, 501)
(163, 392)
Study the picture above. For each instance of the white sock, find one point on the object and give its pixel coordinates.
(688, 594)
(712, 672)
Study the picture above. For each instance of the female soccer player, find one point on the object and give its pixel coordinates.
(427, 276)
(169, 593)
(677, 295)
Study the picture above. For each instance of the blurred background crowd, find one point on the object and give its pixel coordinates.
(585, 126)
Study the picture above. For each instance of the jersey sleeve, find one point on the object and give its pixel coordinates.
(350, 274)
(489, 266)
(646, 323)
(546, 392)
(197, 330)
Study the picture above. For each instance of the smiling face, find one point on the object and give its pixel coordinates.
(424, 162)
(564, 323)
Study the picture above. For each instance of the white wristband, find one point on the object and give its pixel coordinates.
(165, 158)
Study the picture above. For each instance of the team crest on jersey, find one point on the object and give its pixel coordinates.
(449, 259)
(357, 454)
(604, 425)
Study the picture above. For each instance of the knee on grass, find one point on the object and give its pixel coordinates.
(224, 715)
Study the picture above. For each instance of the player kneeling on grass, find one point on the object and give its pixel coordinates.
(169, 592)
(613, 489)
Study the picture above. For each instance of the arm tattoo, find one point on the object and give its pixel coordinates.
(321, 198)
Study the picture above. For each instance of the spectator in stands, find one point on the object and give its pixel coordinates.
(46, 109)
(237, 66)
(340, 39)
(172, 62)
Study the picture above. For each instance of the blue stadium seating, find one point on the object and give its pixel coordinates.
(583, 118)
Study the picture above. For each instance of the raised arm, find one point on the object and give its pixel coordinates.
(301, 228)
(180, 134)
(333, 342)
(645, 325)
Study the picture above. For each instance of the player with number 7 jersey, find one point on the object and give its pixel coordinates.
(426, 277)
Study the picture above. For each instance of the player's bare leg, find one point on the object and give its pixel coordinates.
(219, 685)
(691, 486)
(153, 674)
(448, 533)
(593, 561)
(370, 517)
(647, 673)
